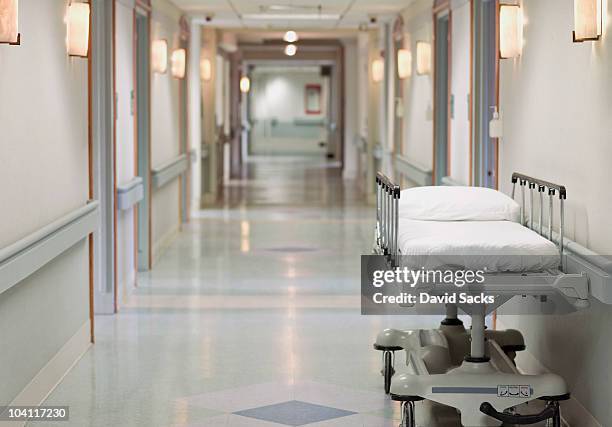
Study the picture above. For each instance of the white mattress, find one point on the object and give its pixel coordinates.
(497, 246)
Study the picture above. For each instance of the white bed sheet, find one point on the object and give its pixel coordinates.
(497, 246)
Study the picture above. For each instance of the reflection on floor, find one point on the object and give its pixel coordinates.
(250, 318)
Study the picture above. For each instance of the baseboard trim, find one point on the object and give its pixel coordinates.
(45, 381)
(160, 246)
(574, 414)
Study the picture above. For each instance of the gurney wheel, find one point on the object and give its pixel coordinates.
(408, 414)
(388, 369)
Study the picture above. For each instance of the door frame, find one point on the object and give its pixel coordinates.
(442, 10)
(484, 171)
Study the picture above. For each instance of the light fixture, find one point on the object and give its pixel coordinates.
(510, 31)
(9, 22)
(159, 53)
(77, 29)
(290, 50)
(378, 70)
(178, 63)
(290, 36)
(245, 84)
(291, 16)
(423, 58)
(205, 69)
(587, 20)
(404, 63)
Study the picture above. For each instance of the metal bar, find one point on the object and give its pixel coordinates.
(560, 188)
(378, 225)
(551, 192)
(513, 189)
(541, 220)
(531, 187)
(561, 227)
(397, 199)
(522, 202)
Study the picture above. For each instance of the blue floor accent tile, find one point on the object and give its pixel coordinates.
(294, 413)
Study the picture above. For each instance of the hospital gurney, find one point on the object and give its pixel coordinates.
(472, 371)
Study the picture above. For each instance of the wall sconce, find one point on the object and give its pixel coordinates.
(510, 31)
(245, 84)
(77, 26)
(9, 22)
(178, 63)
(587, 20)
(205, 69)
(423, 58)
(378, 70)
(159, 53)
(404, 63)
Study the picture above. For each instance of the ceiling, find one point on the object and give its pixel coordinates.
(295, 14)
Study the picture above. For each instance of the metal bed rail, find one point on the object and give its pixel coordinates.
(387, 217)
(543, 188)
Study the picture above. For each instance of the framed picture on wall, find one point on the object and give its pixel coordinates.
(313, 99)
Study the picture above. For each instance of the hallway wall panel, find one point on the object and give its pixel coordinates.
(44, 175)
(556, 106)
(165, 133)
(418, 90)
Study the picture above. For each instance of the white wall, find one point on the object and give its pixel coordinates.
(351, 101)
(280, 95)
(418, 90)
(125, 144)
(459, 160)
(44, 175)
(556, 105)
(165, 142)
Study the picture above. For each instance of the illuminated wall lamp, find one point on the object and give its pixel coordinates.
(159, 54)
(245, 84)
(378, 70)
(587, 20)
(205, 69)
(510, 31)
(423, 50)
(77, 29)
(178, 63)
(9, 22)
(404, 63)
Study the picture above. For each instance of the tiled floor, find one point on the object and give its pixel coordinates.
(256, 303)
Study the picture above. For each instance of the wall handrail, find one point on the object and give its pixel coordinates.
(413, 170)
(130, 193)
(168, 171)
(450, 182)
(26, 256)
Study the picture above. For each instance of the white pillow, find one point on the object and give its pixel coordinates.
(446, 203)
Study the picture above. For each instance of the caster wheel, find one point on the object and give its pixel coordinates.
(388, 370)
(408, 415)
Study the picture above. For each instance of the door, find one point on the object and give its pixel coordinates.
(441, 96)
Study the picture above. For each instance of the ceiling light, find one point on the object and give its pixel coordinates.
(290, 50)
(290, 36)
(291, 16)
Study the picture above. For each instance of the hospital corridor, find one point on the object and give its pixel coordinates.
(331, 213)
